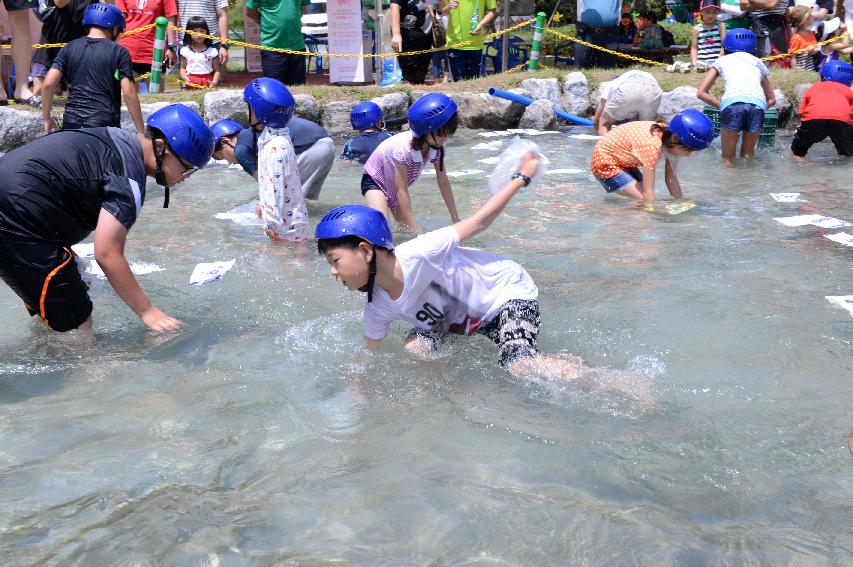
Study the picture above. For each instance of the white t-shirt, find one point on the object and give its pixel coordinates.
(447, 287)
(199, 63)
(607, 89)
(742, 74)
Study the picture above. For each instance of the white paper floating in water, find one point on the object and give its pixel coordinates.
(843, 301)
(465, 173)
(584, 136)
(86, 250)
(89, 267)
(841, 238)
(209, 272)
(787, 197)
(244, 215)
(531, 131)
(567, 170)
(815, 220)
(489, 160)
(495, 134)
(491, 146)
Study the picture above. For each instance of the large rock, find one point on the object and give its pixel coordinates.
(225, 103)
(481, 110)
(395, 106)
(547, 89)
(576, 94)
(785, 108)
(17, 127)
(335, 118)
(678, 99)
(149, 109)
(800, 90)
(308, 108)
(539, 116)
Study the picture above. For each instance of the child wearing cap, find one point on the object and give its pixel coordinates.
(367, 119)
(98, 72)
(441, 287)
(826, 110)
(804, 40)
(706, 44)
(746, 96)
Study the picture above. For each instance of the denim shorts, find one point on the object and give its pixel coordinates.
(742, 117)
(621, 180)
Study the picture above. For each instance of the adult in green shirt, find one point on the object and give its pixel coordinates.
(467, 20)
(281, 27)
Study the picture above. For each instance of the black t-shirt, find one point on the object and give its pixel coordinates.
(93, 70)
(412, 13)
(361, 147)
(303, 134)
(60, 25)
(53, 189)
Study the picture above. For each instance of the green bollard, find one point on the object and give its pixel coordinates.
(157, 58)
(538, 33)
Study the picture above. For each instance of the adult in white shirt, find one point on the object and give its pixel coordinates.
(634, 95)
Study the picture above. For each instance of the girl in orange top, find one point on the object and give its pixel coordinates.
(624, 160)
(801, 18)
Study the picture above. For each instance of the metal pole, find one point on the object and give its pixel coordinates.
(505, 43)
(379, 43)
(157, 58)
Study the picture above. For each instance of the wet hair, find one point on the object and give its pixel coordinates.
(670, 139)
(445, 131)
(197, 23)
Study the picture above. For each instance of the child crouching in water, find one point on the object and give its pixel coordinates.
(365, 117)
(439, 286)
(624, 160)
(746, 96)
(827, 110)
(398, 161)
(281, 204)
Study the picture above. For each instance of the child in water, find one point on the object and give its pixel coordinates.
(746, 96)
(439, 286)
(398, 161)
(827, 110)
(281, 203)
(367, 119)
(625, 159)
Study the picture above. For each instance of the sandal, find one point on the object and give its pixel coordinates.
(34, 101)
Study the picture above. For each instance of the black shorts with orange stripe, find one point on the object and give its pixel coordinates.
(46, 278)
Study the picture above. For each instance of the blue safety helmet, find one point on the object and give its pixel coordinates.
(356, 220)
(739, 39)
(188, 136)
(104, 16)
(271, 101)
(430, 113)
(224, 127)
(365, 115)
(694, 129)
(838, 71)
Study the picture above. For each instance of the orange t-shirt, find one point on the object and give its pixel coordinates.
(627, 146)
(800, 41)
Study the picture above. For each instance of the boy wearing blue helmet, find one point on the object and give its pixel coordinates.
(439, 286)
(827, 110)
(398, 161)
(281, 202)
(98, 72)
(367, 119)
(58, 188)
(746, 96)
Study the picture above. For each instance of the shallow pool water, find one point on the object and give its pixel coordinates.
(243, 440)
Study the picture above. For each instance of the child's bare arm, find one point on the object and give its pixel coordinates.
(404, 213)
(131, 99)
(216, 74)
(694, 46)
(672, 181)
(768, 92)
(648, 185)
(704, 92)
(446, 193)
(722, 30)
(488, 212)
(47, 90)
(183, 71)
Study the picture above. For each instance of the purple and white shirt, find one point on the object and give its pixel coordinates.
(396, 149)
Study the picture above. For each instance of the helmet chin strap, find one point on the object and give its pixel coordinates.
(368, 287)
(159, 176)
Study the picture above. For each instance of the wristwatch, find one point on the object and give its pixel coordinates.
(519, 175)
(225, 46)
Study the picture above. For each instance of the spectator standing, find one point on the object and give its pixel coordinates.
(706, 43)
(650, 34)
(281, 27)
(768, 25)
(139, 13)
(803, 39)
(627, 29)
(597, 23)
(215, 13)
(411, 30)
(466, 21)
(62, 21)
(22, 51)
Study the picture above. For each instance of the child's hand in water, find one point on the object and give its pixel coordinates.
(529, 164)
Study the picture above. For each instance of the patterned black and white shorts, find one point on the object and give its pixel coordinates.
(513, 329)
